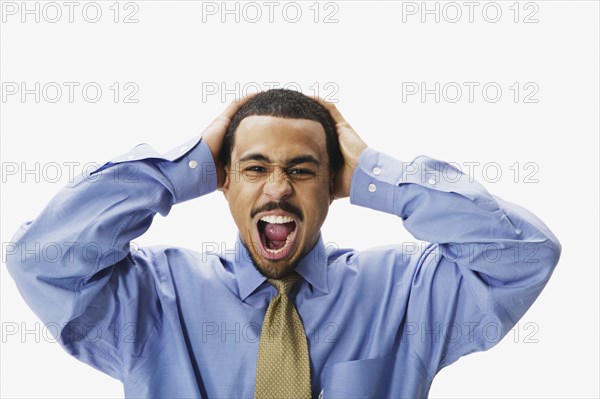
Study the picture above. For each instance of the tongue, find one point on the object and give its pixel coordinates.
(278, 232)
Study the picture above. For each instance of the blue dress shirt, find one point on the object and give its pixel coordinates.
(171, 322)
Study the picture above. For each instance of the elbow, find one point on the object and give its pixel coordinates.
(548, 256)
(554, 251)
(14, 257)
(26, 256)
(557, 249)
(21, 249)
(24, 263)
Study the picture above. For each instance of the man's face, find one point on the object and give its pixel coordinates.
(279, 189)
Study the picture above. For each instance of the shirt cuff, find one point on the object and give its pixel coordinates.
(189, 167)
(374, 181)
(378, 179)
(192, 174)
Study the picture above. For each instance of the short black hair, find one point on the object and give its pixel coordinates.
(284, 103)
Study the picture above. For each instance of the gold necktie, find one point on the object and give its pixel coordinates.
(283, 366)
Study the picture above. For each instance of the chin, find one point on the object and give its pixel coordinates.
(272, 269)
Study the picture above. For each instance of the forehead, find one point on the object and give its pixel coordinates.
(279, 138)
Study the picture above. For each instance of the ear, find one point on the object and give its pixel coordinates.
(226, 182)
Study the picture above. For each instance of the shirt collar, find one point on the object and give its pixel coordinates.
(312, 267)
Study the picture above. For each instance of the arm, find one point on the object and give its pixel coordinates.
(97, 283)
(488, 261)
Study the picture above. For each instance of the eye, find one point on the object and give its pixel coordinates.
(300, 172)
(255, 169)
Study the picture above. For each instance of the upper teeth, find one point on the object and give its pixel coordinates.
(276, 219)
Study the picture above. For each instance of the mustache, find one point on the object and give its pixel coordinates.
(284, 206)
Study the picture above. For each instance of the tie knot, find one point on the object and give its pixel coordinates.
(284, 284)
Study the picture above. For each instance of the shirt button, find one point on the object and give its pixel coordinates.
(372, 187)
(431, 181)
(192, 164)
(376, 171)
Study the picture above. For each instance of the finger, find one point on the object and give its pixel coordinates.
(335, 113)
(235, 105)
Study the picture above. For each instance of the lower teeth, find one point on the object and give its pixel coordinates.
(276, 251)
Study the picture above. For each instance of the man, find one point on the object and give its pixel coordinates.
(282, 316)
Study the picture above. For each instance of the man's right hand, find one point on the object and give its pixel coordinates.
(214, 134)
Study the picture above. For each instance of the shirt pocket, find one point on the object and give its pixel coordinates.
(367, 378)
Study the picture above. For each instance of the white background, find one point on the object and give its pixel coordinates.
(176, 51)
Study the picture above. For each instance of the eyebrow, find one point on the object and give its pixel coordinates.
(255, 156)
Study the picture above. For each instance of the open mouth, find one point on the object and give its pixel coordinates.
(277, 235)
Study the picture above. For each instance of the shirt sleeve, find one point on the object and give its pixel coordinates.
(73, 263)
(487, 261)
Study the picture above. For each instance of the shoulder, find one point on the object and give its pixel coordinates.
(396, 255)
(386, 261)
(157, 253)
(164, 262)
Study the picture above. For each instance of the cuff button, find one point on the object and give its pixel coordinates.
(192, 164)
(372, 187)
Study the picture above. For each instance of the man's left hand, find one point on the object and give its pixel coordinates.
(351, 146)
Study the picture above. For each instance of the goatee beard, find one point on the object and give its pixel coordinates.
(275, 273)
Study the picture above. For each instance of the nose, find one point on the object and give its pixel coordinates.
(277, 186)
